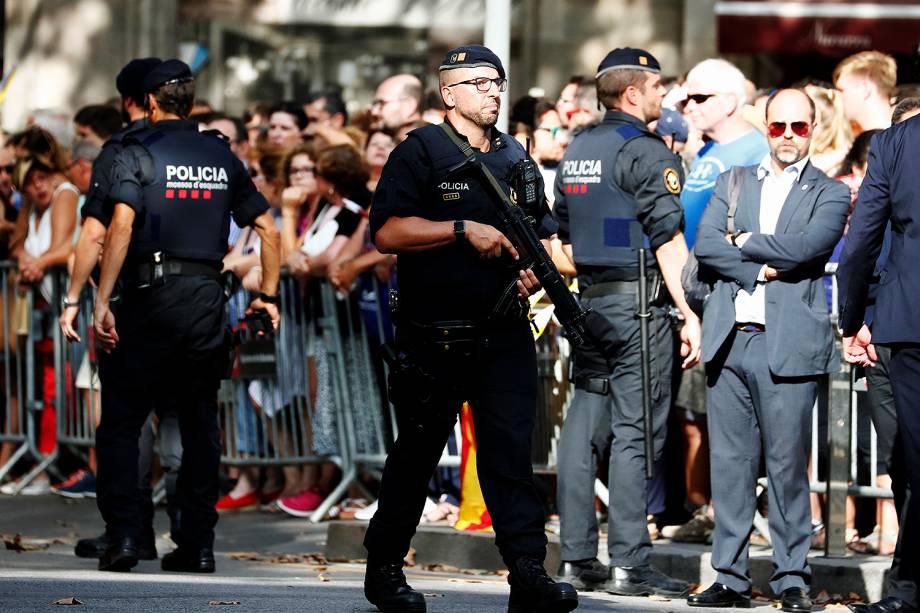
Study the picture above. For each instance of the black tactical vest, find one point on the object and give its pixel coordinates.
(603, 225)
(189, 191)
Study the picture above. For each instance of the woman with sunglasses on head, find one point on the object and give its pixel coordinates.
(42, 240)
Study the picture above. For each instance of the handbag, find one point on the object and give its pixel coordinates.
(697, 286)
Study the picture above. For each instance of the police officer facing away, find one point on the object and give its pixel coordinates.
(96, 213)
(174, 190)
(454, 266)
(616, 192)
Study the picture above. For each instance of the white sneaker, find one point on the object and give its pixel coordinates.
(39, 487)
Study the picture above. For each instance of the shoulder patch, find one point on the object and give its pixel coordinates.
(671, 180)
(629, 131)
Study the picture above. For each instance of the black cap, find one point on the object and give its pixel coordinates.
(167, 72)
(471, 56)
(128, 82)
(627, 57)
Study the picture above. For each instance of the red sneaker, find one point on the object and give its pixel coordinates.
(303, 504)
(247, 502)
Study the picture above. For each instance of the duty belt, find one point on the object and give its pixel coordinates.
(449, 337)
(606, 288)
(150, 272)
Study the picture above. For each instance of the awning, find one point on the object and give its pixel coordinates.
(833, 27)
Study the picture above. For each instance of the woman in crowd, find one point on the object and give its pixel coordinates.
(42, 240)
(341, 179)
(376, 152)
(286, 123)
(833, 135)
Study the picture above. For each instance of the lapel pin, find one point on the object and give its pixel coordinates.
(805, 187)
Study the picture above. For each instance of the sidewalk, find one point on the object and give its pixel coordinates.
(440, 544)
(269, 563)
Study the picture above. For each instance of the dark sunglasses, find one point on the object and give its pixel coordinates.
(8, 169)
(778, 128)
(699, 98)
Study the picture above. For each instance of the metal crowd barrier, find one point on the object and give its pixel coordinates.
(16, 370)
(327, 399)
(30, 317)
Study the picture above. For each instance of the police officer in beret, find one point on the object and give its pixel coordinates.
(616, 192)
(173, 192)
(453, 343)
(96, 217)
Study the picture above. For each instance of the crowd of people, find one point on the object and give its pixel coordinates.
(317, 162)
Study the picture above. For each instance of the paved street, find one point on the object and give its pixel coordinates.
(32, 580)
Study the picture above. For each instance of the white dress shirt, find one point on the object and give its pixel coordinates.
(751, 307)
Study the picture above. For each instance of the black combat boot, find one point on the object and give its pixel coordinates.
(533, 591)
(189, 560)
(120, 556)
(385, 587)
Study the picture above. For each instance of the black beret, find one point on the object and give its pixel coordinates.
(170, 70)
(471, 56)
(627, 57)
(128, 82)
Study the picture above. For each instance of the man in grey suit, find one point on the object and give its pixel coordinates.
(767, 339)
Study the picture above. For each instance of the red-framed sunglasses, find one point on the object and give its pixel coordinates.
(777, 128)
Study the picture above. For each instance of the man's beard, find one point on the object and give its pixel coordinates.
(484, 120)
(788, 156)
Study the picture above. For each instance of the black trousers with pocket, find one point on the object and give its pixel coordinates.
(499, 380)
(172, 351)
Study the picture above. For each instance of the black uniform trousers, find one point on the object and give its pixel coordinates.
(905, 381)
(499, 380)
(172, 352)
(593, 417)
(170, 452)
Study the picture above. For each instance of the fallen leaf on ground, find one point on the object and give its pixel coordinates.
(453, 580)
(15, 543)
(245, 555)
(283, 558)
(658, 598)
(218, 603)
(67, 601)
(323, 578)
(441, 568)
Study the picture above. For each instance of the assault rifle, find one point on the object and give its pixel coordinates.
(519, 225)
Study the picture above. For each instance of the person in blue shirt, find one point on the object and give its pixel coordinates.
(716, 93)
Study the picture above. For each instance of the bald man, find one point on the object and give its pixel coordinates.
(767, 340)
(397, 102)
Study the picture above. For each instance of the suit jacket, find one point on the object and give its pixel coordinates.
(890, 190)
(800, 336)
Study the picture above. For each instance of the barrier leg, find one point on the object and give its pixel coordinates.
(837, 393)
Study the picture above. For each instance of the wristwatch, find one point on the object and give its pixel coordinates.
(66, 304)
(459, 229)
(735, 237)
(268, 298)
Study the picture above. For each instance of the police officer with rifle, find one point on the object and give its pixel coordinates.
(462, 333)
(173, 190)
(617, 196)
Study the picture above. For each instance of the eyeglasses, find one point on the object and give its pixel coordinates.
(700, 98)
(553, 130)
(8, 169)
(302, 170)
(778, 128)
(483, 84)
(383, 102)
